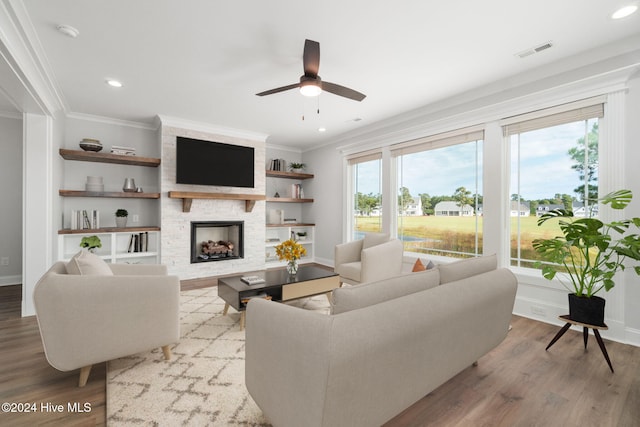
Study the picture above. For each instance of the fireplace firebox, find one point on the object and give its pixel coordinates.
(216, 240)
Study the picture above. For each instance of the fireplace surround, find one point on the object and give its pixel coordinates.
(216, 241)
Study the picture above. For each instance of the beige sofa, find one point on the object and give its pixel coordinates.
(386, 345)
(87, 319)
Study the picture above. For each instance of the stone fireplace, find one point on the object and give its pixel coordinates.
(216, 240)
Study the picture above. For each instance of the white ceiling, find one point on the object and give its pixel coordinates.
(204, 60)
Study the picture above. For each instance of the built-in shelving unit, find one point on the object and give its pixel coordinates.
(188, 196)
(278, 233)
(116, 241)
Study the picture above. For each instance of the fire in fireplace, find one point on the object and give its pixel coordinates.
(216, 240)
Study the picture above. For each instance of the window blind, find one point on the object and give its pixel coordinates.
(459, 136)
(566, 113)
(365, 156)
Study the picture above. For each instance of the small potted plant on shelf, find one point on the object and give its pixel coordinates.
(302, 235)
(589, 253)
(297, 167)
(90, 243)
(121, 218)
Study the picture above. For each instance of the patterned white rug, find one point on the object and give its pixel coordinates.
(202, 384)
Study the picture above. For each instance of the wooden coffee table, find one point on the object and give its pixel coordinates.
(278, 286)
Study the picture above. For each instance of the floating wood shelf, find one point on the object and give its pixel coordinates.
(92, 156)
(288, 200)
(109, 230)
(116, 194)
(291, 225)
(188, 196)
(289, 175)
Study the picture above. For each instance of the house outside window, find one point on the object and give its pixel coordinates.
(554, 165)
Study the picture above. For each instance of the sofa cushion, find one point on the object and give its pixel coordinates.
(359, 296)
(374, 239)
(350, 270)
(88, 264)
(466, 268)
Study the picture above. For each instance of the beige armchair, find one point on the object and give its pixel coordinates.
(372, 258)
(87, 319)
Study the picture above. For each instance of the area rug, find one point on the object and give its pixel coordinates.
(202, 384)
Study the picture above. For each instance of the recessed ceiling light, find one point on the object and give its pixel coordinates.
(625, 11)
(322, 129)
(113, 83)
(68, 30)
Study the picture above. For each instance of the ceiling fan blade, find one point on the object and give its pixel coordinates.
(342, 91)
(278, 89)
(311, 58)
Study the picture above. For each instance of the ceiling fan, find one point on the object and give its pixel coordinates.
(310, 83)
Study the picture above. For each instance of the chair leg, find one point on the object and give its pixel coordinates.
(166, 350)
(84, 376)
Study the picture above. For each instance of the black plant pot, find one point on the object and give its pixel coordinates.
(586, 310)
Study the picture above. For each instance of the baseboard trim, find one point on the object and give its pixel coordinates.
(10, 280)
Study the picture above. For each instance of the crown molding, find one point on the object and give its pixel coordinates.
(112, 121)
(296, 150)
(33, 85)
(210, 128)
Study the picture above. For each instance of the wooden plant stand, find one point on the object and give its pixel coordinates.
(585, 335)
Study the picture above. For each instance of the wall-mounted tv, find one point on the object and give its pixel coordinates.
(213, 163)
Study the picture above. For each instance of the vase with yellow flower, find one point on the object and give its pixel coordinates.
(291, 251)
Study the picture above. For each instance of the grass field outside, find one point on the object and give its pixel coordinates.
(456, 236)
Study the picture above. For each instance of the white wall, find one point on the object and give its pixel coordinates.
(11, 206)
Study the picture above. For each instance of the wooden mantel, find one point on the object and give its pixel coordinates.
(188, 196)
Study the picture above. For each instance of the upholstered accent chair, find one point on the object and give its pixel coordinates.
(104, 313)
(375, 257)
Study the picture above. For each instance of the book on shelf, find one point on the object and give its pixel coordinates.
(278, 165)
(84, 220)
(252, 280)
(139, 242)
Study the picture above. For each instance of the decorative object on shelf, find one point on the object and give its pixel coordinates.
(129, 185)
(291, 251)
(589, 254)
(94, 183)
(297, 167)
(89, 144)
(277, 194)
(302, 235)
(90, 243)
(139, 190)
(121, 218)
(123, 151)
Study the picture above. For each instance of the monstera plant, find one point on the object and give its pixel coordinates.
(590, 253)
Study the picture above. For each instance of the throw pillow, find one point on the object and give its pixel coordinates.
(418, 266)
(421, 266)
(88, 264)
(374, 239)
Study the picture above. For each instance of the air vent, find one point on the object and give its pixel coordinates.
(533, 50)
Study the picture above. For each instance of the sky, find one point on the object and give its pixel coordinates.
(545, 166)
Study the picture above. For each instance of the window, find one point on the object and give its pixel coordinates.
(554, 164)
(439, 185)
(366, 173)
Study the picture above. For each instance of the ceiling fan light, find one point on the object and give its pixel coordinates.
(310, 89)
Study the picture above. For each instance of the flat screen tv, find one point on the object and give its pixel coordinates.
(213, 163)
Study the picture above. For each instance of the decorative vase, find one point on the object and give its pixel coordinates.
(121, 221)
(129, 185)
(292, 267)
(586, 310)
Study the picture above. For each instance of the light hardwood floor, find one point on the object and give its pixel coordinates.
(517, 384)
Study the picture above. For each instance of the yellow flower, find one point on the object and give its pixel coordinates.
(290, 250)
